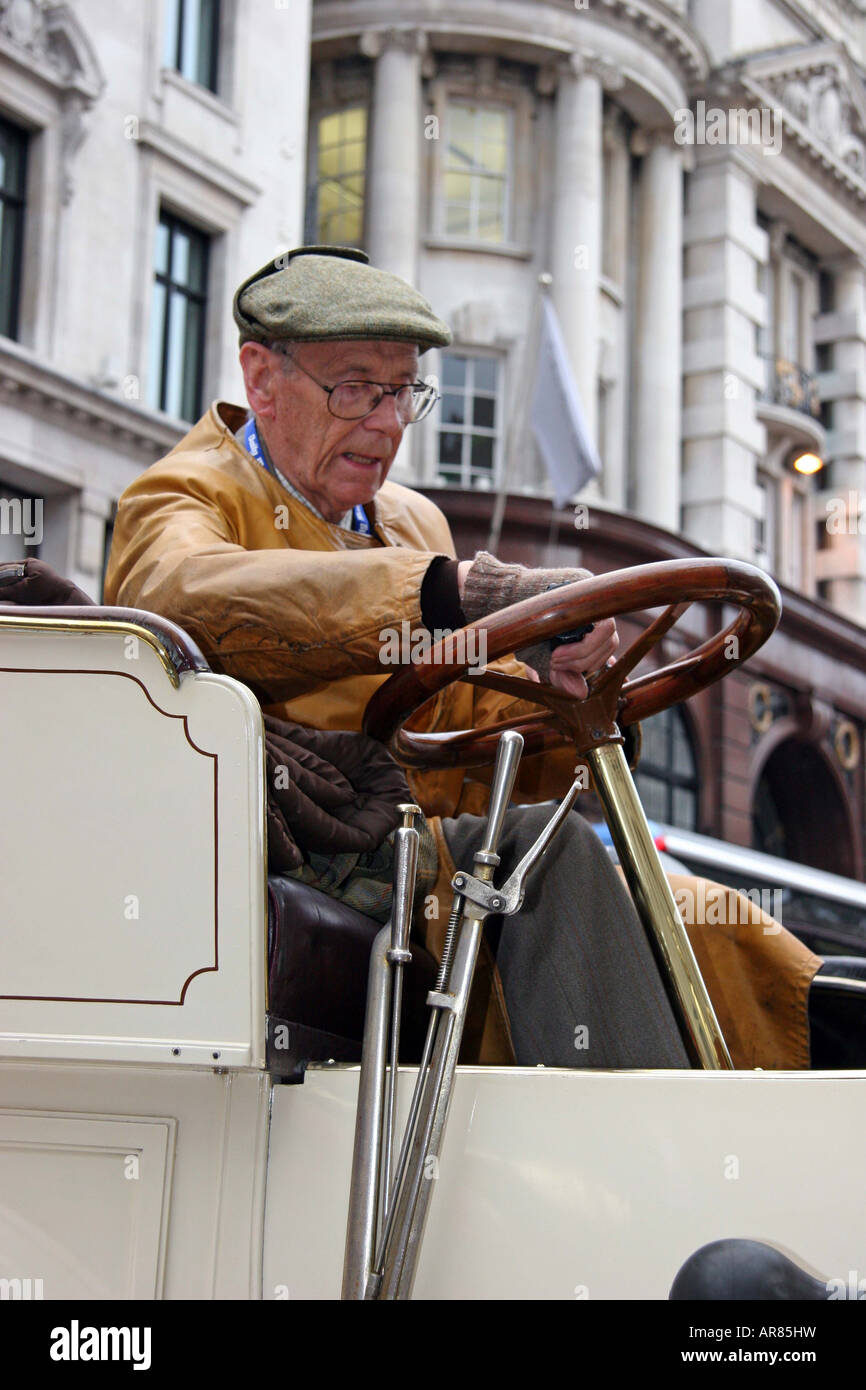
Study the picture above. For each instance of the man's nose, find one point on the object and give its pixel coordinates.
(386, 416)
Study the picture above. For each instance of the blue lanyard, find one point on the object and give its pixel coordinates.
(253, 443)
(253, 446)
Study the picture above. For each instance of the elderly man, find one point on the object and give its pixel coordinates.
(275, 538)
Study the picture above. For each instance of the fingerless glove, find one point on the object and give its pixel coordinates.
(491, 585)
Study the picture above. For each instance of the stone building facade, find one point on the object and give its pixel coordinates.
(146, 169)
(692, 180)
(687, 177)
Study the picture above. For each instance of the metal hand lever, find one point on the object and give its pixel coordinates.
(508, 898)
(502, 785)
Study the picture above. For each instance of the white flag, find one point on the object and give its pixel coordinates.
(557, 419)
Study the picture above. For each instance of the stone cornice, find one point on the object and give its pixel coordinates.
(374, 42)
(540, 29)
(818, 96)
(50, 42)
(241, 190)
(35, 387)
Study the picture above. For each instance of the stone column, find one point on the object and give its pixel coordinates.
(841, 506)
(723, 440)
(576, 223)
(657, 393)
(394, 164)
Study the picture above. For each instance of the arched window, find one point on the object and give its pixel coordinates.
(800, 810)
(667, 778)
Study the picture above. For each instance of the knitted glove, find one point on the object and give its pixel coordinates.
(491, 585)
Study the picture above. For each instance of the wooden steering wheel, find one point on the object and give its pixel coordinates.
(612, 699)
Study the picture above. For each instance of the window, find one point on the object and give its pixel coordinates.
(475, 173)
(794, 345)
(666, 776)
(13, 164)
(798, 539)
(341, 158)
(178, 318)
(192, 40)
(765, 524)
(468, 451)
(767, 331)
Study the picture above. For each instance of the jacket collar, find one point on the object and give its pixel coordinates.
(228, 418)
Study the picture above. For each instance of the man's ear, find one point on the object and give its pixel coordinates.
(259, 368)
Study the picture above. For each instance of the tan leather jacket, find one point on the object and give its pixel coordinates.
(292, 605)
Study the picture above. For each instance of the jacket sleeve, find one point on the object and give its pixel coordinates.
(282, 620)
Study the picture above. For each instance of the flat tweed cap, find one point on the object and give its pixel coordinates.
(326, 293)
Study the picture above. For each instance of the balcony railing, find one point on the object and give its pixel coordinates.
(791, 386)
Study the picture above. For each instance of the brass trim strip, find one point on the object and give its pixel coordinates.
(94, 625)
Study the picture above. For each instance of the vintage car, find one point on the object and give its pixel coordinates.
(180, 1037)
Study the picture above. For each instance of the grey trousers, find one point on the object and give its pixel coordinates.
(580, 982)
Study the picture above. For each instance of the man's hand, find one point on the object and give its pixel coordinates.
(570, 663)
(486, 586)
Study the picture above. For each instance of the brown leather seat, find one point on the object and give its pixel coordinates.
(318, 959)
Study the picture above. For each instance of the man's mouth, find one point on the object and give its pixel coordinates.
(367, 460)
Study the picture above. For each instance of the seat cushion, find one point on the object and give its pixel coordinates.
(318, 961)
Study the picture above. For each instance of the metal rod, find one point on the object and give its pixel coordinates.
(411, 1206)
(364, 1190)
(657, 908)
(420, 1080)
(405, 870)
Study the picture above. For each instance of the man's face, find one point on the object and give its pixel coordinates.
(334, 463)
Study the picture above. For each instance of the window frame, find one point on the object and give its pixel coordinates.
(442, 203)
(520, 103)
(19, 202)
(470, 354)
(311, 228)
(666, 776)
(157, 397)
(173, 44)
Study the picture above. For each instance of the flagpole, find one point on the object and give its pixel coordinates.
(520, 413)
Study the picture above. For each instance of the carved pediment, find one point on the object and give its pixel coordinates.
(821, 97)
(49, 39)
